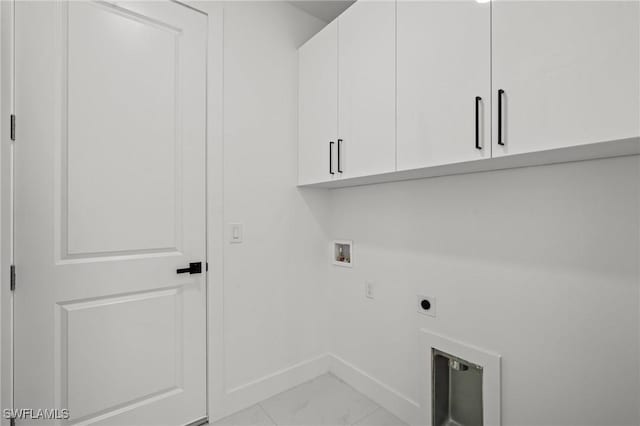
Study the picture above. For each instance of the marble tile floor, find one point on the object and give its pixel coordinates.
(324, 401)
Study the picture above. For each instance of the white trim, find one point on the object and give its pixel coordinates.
(489, 361)
(215, 212)
(248, 394)
(6, 206)
(569, 154)
(404, 407)
(391, 399)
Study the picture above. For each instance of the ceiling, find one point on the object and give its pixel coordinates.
(325, 10)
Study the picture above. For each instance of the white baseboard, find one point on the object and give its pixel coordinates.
(251, 393)
(405, 408)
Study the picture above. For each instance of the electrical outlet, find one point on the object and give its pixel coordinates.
(369, 290)
(426, 305)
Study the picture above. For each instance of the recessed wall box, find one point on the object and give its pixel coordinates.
(456, 391)
(343, 253)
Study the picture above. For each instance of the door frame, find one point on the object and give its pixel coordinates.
(6, 206)
(216, 391)
(214, 204)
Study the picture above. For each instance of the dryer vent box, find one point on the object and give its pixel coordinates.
(456, 391)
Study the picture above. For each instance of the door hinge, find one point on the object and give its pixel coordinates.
(13, 127)
(13, 277)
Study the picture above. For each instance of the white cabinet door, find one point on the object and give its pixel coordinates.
(366, 87)
(318, 107)
(109, 204)
(444, 66)
(569, 72)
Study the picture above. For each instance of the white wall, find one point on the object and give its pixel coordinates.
(271, 280)
(267, 303)
(537, 264)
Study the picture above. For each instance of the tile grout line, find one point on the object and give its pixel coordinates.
(378, 408)
(264, 410)
(375, 409)
(366, 416)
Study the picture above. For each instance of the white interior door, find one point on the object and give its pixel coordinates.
(444, 82)
(109, 203)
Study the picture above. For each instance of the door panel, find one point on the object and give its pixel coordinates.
(444, 63)
(318, 106)
(110, 201)
(141, 97)
(91, 358)
(569, 71)
(367, 81)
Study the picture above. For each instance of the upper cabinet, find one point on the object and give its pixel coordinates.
(413, 88)
(366, 88)
(318, 107)
(444, 82)
(564, 73)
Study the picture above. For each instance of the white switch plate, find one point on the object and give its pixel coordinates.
(432, 309)
(235, 233)
(369, 290)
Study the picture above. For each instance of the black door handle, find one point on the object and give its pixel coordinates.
(500, 94)
(331, 157)
(339, 149)
(194, 268)
(478, 99)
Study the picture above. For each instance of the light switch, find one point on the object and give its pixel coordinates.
(235, 233)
